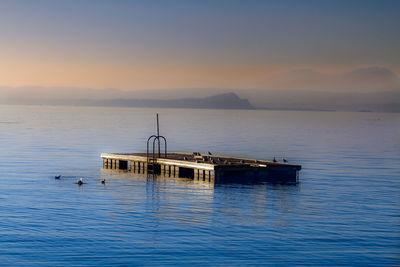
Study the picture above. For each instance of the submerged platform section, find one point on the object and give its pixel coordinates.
(209, 168)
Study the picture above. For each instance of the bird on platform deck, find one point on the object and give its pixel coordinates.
(80, 182)
(103, 181)
(241, 161)
(213, 161)
(57, 177)
(284, 160)
(225, 162)
(274, 160)
(209, 153)
(185, 158)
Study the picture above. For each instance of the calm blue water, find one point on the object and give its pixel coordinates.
(344, 211)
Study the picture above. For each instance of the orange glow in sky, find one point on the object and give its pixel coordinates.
(157, 44)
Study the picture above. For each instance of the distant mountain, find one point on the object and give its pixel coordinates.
(319, 100)
(371, 88)
(221, 101)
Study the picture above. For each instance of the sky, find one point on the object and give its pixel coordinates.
(136, 45)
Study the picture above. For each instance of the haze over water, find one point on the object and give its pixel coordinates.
(344, 211)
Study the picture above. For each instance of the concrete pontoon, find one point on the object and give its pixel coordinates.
(210, 168)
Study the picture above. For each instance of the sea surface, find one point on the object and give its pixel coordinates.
(345, 211)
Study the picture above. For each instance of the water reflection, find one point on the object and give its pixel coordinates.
(198, 203)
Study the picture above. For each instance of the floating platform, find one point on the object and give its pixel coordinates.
(208, 168)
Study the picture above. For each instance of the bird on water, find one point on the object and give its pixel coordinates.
(57, 177)
(80, 181)
(103, 181)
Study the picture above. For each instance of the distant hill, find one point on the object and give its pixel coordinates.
(364, 89)
(221, 101)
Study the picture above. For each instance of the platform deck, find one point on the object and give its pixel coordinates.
(211, 168)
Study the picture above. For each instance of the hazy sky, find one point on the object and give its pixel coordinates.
(179, 44)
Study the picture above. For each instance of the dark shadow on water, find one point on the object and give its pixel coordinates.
(274, 185)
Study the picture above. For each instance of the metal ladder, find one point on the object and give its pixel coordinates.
(152, 157)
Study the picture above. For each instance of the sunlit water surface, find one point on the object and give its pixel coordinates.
(344, 211)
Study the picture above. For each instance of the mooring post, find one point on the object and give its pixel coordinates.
(201, 175)
(208, 176)
(162, 169)
(212, 177)
(144, 167)
(131, 166)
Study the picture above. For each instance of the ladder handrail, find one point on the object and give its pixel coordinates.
(157, 138)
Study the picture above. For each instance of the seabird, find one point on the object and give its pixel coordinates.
(209, 153)
(103, 181)
(57, 177)
(185, 158)
(274, 160)
(284, 160)
(80, 181)
(242, 161)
